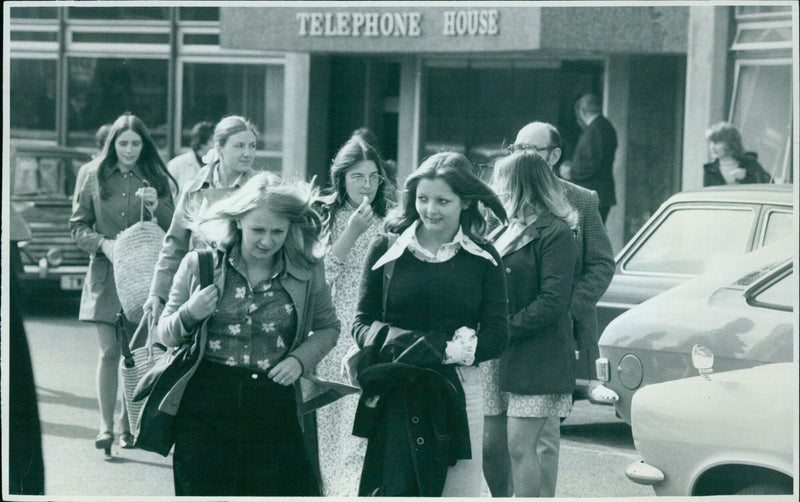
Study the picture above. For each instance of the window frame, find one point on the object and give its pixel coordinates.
(768, 212)
(781, 273)
(36, 56)
(212, 59)
(750, 61)
(636, 244)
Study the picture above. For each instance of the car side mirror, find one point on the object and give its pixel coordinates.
(703, 360)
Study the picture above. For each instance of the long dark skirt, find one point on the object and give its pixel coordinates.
(238, 436)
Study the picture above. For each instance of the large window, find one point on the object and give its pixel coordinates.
(101, 89)
(33, 98)
(689, 240)
(475, 107)
(255, 91)
(762, 111)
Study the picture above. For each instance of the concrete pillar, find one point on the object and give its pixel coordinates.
(410, 116)
(706, 86)
(297, 78)
(615, 106)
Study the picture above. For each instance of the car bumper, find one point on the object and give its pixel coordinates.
(68, 278)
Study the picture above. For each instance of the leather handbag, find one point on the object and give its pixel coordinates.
(137, 360)
(156, 428)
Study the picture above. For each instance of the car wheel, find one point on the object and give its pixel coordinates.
(766, 489)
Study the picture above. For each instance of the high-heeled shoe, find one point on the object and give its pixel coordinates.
(126, 440)
(103, 441)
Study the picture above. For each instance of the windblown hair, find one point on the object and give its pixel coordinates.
(725, 132)
(216, 224)
(458, 172)
(353, 151)
(150, 162)
(524, 180)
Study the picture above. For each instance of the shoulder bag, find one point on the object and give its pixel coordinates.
(156, 428)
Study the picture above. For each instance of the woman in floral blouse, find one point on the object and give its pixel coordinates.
(237, 430)
(355, 210)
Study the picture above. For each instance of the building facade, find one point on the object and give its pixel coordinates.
(424, 79)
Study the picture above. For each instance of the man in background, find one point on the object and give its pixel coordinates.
(592, 164)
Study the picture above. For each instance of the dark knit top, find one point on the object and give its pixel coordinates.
(466, 290)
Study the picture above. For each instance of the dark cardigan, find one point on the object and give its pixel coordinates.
(418, 426)
(754, 172)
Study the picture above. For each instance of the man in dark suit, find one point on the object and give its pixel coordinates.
(595, 267)
(592, 164)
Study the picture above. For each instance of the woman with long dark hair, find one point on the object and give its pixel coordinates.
(354, 210)
(436, 287)
(108, 202)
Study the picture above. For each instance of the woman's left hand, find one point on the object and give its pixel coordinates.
(286, 371)
(149, 196)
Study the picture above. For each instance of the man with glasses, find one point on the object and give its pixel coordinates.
(592, 164)
(595, 268)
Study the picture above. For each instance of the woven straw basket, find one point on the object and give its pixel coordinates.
(135, 255)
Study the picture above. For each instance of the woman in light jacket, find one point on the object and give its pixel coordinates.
(533, 379)
(108, 200)
(237, 430)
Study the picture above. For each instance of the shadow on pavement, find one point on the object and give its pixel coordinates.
(52, 396)
(67, 431)
(126, 460)
(617, 434)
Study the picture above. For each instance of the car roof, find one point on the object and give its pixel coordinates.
(760, 193)
(55, 150)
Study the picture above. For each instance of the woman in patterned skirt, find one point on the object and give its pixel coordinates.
(355, 210)
(533, 379)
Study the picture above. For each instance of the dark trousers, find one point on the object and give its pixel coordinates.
(236, 435)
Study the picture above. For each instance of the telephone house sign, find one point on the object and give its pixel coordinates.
(370, 28)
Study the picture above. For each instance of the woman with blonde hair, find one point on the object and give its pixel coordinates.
(228, 166)
(237, 430)
(533, 378)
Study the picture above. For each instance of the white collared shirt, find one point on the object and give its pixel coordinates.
(408, 240)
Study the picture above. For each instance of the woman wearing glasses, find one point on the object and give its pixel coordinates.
(354, 210)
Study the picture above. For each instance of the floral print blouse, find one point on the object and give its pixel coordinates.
(254, 325)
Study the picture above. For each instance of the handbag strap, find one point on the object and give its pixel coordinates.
(141, 199)
(205, 266)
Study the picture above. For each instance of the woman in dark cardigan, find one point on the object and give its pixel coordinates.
(533, 380)
(421, 408)
(731, 164)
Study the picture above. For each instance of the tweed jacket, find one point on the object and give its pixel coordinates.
(595, 265)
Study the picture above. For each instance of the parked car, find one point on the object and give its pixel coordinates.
(687, 234)
(727, 433)
(42, 185)
(742, 310)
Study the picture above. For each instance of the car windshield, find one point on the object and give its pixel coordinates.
(43, 175)
(690, 239)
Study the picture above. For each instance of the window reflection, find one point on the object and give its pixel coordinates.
(101, 89)
(33, 98)
(688, 241)
(211, 91)
(762, 111)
